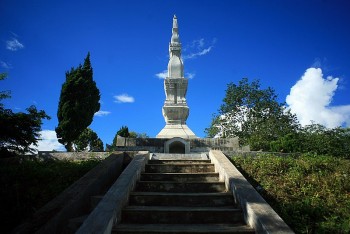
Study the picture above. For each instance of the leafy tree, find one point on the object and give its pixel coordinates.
(19, 131)
(318, 139)
(133, 134)
(290, 143)
(4, 94)
(252, 114)
(88, 140)
(142, 135)
(216, 128)
(79, 101)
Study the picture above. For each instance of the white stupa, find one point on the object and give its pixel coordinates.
(175, 109)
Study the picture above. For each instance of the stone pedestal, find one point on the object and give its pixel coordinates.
(176, 130)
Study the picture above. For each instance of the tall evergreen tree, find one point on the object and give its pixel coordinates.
(79, 101)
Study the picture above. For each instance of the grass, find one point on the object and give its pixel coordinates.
(311, 193)
(28, 185)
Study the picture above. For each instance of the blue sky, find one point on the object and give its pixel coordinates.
(300, 48)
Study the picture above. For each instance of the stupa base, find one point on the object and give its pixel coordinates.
(176, 130)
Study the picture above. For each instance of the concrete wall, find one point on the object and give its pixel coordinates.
(108, 211)
(75, 200)
(156, 145)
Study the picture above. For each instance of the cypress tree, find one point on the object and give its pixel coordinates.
(79, 101)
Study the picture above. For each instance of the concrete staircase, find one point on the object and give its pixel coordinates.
(181, 196)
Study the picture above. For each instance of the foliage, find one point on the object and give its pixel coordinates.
(88, 140)
(252, 114)
(215, 128)
(310, 192)
(4, 94)
(28, 185)
(320, 140)
(79, 101)
(133, 134)
(123, 131)
(19, 131)
(289, 143)
(317, 139)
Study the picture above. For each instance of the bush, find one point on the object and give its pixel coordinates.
(28, 185)
(311, 193)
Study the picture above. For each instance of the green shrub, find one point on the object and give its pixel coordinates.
(310, 192)
(28, 185)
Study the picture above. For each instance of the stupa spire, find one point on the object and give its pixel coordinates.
(175, 36)
(175, 109)
(175, 65)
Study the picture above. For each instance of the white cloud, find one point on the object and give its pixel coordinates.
(190, 75)
(102, 113)
(199, 48)
(197, 54)
(49, 141)
(198, 43)
(162, 75)
(310, 99)
(124, 98)
(5, 65)
(14, 44)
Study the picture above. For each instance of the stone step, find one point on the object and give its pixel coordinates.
(181, 228)
(180, 187)
(178, 168)
(181, 215)
(181, 199)
(180, 177)
(179, 161)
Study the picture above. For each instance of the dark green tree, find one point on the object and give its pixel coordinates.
(4, 94)
(318, 139)
(123, 132)
(252, 114)
(19, 131)
(88, 140)
(79, 101)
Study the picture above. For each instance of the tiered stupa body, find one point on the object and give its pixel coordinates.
(175, 109)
